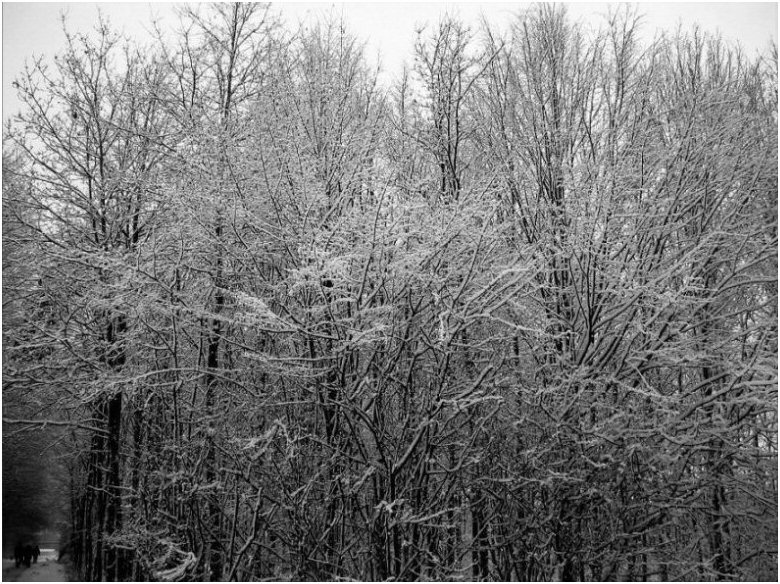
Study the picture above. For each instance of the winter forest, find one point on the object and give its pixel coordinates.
(512, 316)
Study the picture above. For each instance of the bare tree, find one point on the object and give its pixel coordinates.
(513, 318)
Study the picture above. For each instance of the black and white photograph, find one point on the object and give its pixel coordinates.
(439, 292)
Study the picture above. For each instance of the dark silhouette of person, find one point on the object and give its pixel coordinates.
(18, 553)
(36, 551)
(28, 552)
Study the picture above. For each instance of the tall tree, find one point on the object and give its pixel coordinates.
(512, 317)
(86, 140)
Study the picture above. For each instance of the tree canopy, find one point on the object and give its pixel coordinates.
(512, 317)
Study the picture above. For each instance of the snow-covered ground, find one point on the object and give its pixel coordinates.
(46, 570)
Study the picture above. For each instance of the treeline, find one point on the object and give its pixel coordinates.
(511, 317)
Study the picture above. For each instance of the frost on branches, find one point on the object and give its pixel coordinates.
(510, 317)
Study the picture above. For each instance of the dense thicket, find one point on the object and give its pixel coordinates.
(512, 317)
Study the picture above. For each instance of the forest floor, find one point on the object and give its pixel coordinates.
(46, 570)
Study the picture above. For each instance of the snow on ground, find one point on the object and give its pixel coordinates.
(46, 570)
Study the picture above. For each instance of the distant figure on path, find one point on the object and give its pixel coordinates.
(28, 552)
(36, 551)
(18, 553)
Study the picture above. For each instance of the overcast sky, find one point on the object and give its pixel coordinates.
(388, 28)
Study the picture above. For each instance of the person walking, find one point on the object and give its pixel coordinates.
(18, 553)
(27, 555)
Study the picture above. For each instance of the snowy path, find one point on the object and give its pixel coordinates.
(46, 570)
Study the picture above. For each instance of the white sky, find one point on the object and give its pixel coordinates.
(34, 28)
